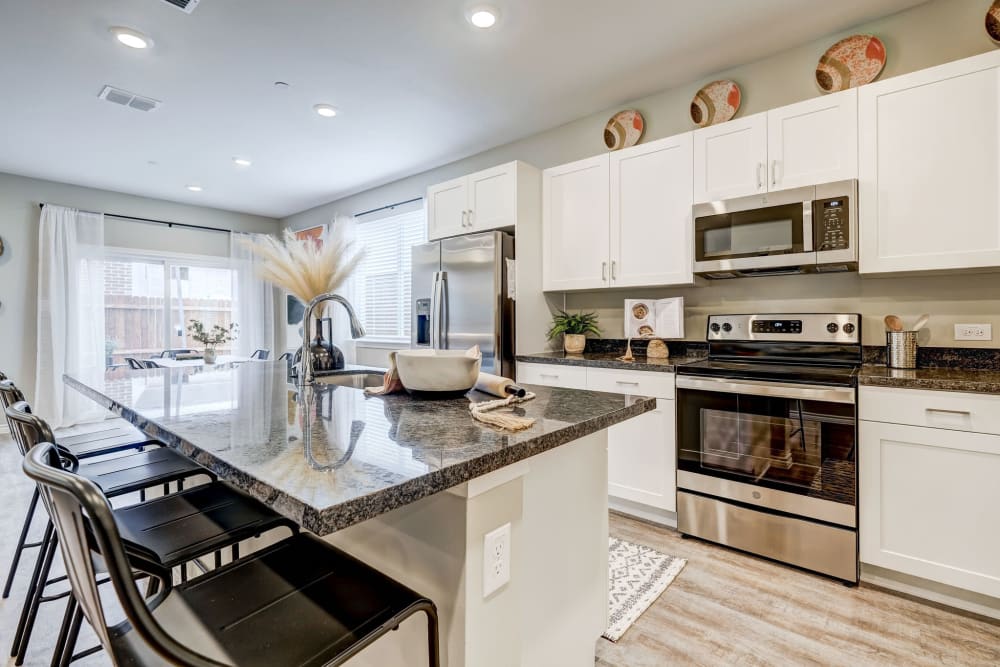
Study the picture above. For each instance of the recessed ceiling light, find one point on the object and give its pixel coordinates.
(242, 162)
(195, 188)
(131, 38)
(325, 110)
(483, 16)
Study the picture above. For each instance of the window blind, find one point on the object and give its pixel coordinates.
(383, 277)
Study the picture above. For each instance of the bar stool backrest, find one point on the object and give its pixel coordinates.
(9, 395)
(134, 363)
(261, 354)
(78, 509)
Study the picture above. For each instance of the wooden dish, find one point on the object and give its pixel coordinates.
(993, 21)
(851, 62)
(715, 103)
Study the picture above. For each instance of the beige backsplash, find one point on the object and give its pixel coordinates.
(950, 299)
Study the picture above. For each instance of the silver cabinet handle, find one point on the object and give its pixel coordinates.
(774, 172)
(634, 384)
(760, 180)
(950, 412)
(469, 217)
(604, 270)
(614, 273)
(548, 375)
(465, 215)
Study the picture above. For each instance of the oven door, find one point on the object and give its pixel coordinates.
(787, 447)
(767, 237)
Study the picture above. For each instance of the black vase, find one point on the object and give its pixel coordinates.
(325, 355)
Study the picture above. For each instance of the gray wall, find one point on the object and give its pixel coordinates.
(19, 199)
(929, 34)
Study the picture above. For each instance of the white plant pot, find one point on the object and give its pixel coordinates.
(209, 355)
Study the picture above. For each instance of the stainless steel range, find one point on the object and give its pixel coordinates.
(766, 439)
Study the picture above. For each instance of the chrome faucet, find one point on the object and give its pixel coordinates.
(357, 331)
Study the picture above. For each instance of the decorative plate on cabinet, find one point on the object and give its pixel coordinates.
(715, 103)
(851, 62)
(993, 21)
(623, 130)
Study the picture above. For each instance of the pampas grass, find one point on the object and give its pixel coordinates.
(303, 267)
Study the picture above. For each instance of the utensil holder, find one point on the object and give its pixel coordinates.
(901, 349)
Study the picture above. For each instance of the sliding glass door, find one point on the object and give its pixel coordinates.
(149, 301)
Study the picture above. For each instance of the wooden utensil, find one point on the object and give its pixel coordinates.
(921, 322)
(893, 323)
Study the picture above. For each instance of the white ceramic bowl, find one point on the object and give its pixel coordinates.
(438, 373)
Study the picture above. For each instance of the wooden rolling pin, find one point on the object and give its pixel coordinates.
(498, 386)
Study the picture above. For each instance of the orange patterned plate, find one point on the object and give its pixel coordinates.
(716, 103)
(993, 21)
(851, 62)
(623, 130)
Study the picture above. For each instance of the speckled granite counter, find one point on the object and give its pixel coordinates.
(938, 379)
(348, 457)
(609, 360)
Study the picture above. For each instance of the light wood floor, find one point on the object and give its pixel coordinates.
(725, 608)
(728, 608)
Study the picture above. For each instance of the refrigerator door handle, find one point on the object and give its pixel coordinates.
(435, 311)
(443, 308)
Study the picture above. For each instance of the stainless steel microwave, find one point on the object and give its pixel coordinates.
(804, 230)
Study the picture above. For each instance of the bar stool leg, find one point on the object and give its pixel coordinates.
(60, 646)
(39, 591)
(433, 647)
(30, 595)
(74, 632)
(20, 544)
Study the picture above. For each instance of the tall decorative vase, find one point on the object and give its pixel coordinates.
(209, 355)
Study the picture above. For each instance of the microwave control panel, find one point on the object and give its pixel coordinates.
(832, 223)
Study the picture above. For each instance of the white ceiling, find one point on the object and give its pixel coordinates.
(416, 85)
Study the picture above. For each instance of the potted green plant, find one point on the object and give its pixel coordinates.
(212, 338)
(574, 329)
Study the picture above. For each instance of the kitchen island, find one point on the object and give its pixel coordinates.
(412, 487)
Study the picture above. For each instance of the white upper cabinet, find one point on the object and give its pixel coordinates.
(447, 208)
(930, 168)
(575, 217)
(730, 159)
(650, 222)
(813, 142)
(801, 144)
(490, 199)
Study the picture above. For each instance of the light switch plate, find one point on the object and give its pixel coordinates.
(496, 559)
(973, 332)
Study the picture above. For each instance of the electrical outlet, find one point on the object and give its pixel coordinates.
(973, 332)
(496, 559)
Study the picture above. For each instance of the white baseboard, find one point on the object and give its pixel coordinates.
(644, 512)
(932, 591)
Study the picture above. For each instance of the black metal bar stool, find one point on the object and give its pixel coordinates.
(300, 602)
(107, 440)
(164, 533)
(116, 477)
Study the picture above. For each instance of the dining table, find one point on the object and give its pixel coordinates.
(167, 362)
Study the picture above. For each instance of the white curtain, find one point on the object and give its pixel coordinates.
(70, 333)
(254, 307)
(345, 227)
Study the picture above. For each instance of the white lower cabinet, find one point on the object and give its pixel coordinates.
(642, 453)
(930, 497)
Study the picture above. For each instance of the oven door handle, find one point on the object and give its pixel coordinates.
(807, 392)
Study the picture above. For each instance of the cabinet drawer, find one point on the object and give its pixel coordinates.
(552, 375)
(957, 411)
(639, 383)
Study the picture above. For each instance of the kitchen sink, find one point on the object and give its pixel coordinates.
(358, 379)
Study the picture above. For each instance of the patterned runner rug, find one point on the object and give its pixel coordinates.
(638, 575)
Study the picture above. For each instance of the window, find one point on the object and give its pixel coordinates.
(149, 301)
(382, 280)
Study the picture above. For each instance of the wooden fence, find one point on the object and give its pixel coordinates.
(134, 325)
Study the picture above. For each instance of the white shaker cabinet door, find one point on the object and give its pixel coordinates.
(930, 504)
(493, 198)
(929, 169)
(575, 225)
(447, 209)
(730, 159)
(641, 458)
(651, 242)
(813, 142)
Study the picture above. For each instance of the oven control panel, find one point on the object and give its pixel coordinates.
(832, 226)
(804, 327)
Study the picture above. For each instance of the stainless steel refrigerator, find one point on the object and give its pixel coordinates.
(460, 297)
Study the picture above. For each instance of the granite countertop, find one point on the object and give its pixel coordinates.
(347, 457)
(938, 379)
(609, 360)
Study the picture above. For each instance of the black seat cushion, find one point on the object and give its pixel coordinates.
(183, 526)
(141, 470)
(298, 603)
